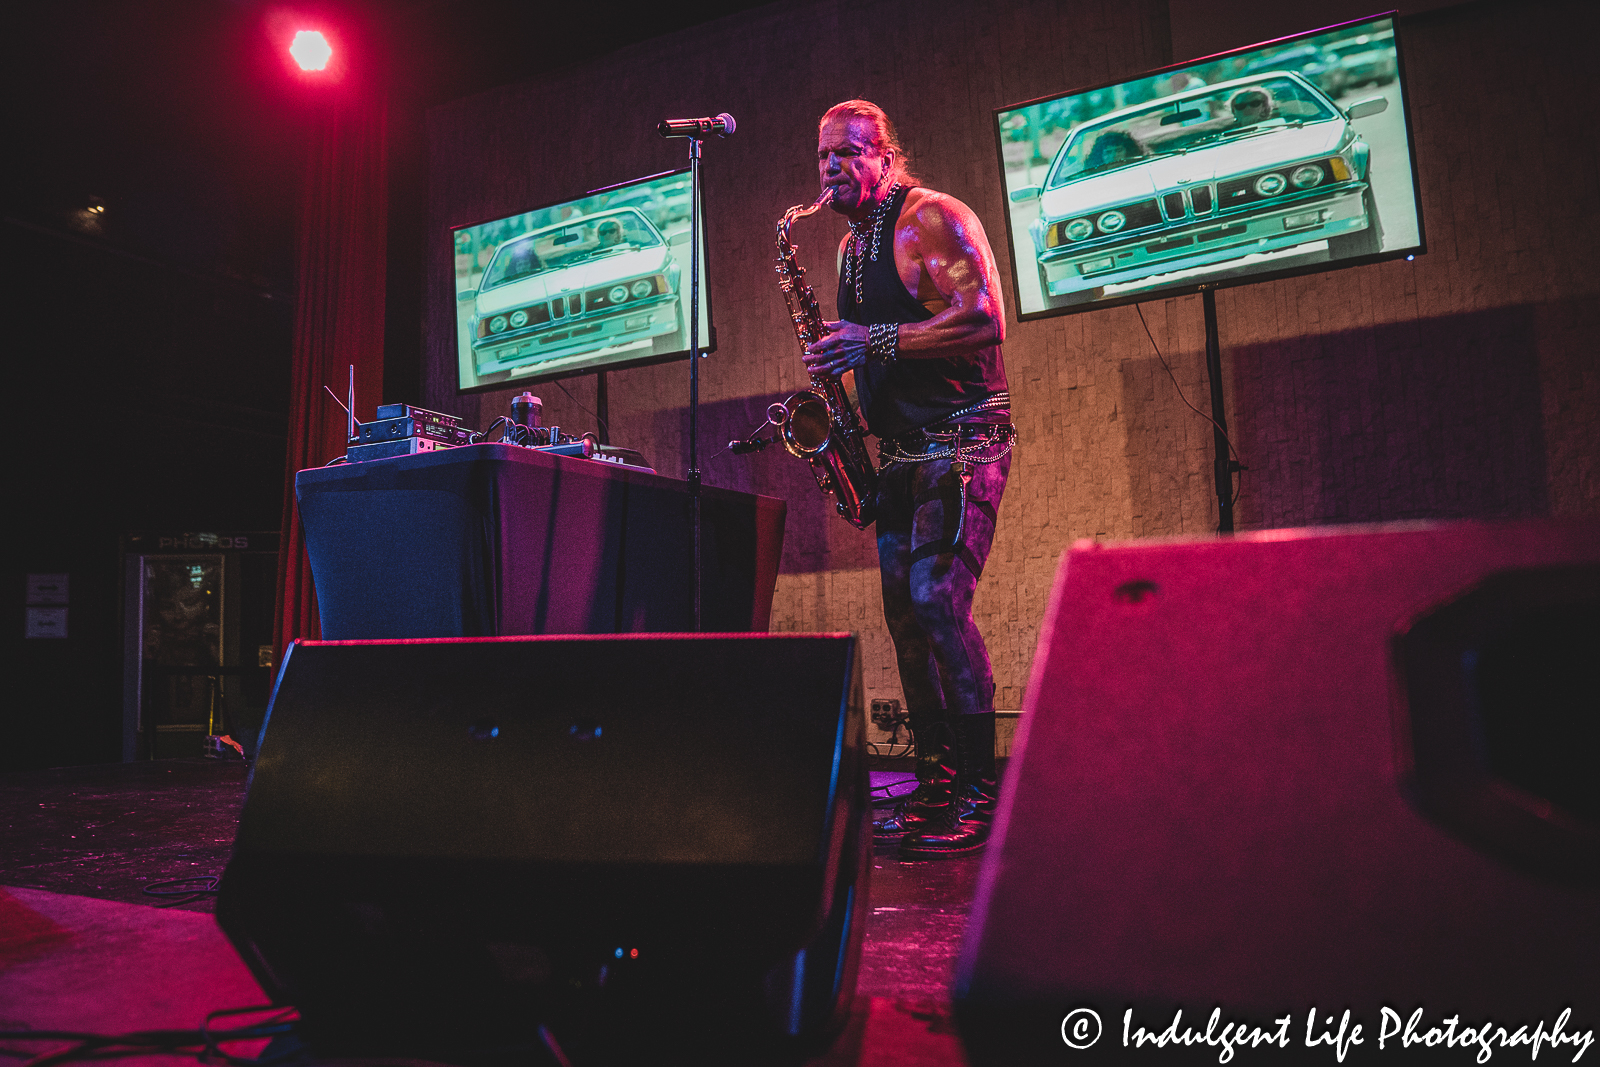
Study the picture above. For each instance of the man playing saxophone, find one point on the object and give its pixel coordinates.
(921, 322)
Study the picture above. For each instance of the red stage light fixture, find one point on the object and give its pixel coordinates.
(311, 50)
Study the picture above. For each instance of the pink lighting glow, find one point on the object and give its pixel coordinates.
(311, 50)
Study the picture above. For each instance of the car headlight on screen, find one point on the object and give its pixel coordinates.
(497, 324)
(519, 319)
(618, 294)
(1270, 184)
(1077, 229)
(642, 287)
(1306, 177)
(1111, 221)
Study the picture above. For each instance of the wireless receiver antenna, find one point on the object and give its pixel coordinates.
(349, 409)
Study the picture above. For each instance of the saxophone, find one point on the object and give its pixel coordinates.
(818, 424)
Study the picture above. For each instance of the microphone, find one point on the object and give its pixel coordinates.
(723, 126)
(755, 444)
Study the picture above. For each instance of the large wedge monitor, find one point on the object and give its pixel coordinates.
(1282, 158)
(596, 283)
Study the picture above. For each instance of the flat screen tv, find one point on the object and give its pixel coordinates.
(1282, 158)
(595, 283)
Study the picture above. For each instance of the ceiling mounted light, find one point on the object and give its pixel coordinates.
(311, 50)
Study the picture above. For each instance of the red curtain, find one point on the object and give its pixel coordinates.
(339, 295)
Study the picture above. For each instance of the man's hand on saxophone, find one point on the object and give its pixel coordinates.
(842, 347)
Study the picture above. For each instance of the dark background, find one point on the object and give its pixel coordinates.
(150, 342)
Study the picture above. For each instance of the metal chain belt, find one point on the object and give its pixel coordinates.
(957, 445)
(954, 447)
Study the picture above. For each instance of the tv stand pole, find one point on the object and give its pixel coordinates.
(1222, 467)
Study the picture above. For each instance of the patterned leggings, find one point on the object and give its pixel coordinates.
(927, 589)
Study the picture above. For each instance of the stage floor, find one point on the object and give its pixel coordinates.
(84, 947)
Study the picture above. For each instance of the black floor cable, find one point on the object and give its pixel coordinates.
(282, 1023)
(205, 1043)
(205, 886)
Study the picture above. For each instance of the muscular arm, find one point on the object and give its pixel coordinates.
(944, 257)
(955, 268)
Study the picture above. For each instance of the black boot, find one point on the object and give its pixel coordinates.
(936, 779)
(965, 825)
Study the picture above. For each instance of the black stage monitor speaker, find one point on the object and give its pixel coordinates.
(1286, 775)
(654, 847)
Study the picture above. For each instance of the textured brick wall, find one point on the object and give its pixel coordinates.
(1461, 384)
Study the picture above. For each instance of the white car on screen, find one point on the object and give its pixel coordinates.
(1201, 177)
(589, 283)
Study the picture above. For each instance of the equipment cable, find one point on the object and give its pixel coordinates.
(1236, 457)
(183, 896)
(205, 1042)
(603, 424)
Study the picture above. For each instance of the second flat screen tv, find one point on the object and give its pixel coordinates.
(595, 283)
(1282, 158)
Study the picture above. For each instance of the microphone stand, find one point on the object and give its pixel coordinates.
(695, 130)
(694, 364)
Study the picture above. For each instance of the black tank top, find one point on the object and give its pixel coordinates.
(909, 394)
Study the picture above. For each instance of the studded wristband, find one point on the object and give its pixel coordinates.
(883, 342)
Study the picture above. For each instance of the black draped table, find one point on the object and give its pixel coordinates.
(493, 539)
